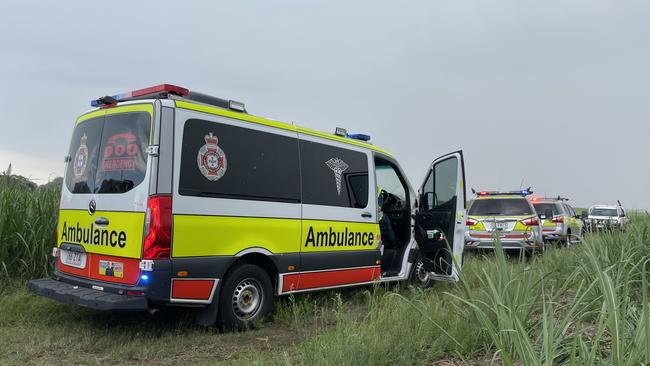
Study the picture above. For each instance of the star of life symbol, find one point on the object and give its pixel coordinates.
(81, 158)
(338, 166)
(211, 159)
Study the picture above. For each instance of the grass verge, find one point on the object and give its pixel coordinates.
(587, 304)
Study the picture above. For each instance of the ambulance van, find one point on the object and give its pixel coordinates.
(177, 198)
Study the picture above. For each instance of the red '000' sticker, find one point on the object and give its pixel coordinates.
(120, 152)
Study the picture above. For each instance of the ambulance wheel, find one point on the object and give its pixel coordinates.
(419, 276)
(246, 297)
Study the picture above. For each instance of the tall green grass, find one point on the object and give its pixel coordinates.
(584, 305)
(27, 224)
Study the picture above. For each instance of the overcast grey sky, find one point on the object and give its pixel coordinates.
(554, 93)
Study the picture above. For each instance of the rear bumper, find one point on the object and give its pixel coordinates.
(86, 297)
(474, 244)
(553, 235)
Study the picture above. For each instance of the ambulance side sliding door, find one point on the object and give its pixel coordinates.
(339, 215)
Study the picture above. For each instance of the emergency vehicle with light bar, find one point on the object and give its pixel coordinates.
(559, 221)
(504, 217)
(173, 197)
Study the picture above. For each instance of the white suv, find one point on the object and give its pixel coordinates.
(607, 217)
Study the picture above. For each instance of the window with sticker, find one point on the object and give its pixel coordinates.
(221, 160)
(108, 153)
(332, 176)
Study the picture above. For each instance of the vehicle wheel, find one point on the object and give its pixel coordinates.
(419, 276)
(247, 296)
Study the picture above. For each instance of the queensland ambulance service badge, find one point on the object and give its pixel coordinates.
(81, 158)
(211, 159)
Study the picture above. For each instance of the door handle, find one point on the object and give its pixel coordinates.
(101, 221)
(366, 215)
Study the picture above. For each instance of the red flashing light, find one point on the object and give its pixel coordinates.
(471, 222)
(533, 221)
(157, 243)
(136, 293)
(483, 193)
(105, 106)
(558, 219)
(172, 89)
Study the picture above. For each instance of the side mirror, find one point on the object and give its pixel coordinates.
(584, 215)
(548, 214)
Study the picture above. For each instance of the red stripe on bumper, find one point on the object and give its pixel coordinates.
(511, 236)
(192, 289)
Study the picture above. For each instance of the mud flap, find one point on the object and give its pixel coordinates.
(207, 316)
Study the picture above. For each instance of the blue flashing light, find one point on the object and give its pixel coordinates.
(144, 277)
(359, 136)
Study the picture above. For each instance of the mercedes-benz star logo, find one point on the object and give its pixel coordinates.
(92, 206)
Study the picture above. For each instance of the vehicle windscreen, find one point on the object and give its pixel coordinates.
(108, 153)
(501, 207)
(604, 212)
(542, 207)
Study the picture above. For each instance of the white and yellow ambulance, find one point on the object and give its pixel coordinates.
(173, 197)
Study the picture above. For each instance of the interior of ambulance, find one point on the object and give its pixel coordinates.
(394, 216)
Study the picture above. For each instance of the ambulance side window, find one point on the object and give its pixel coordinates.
(220, 160)
(333, 176)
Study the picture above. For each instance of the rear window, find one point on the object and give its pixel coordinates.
(108, 154)
(501, 207)
(542, 207)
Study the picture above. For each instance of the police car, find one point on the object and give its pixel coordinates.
(506, 217)
(173, 197)
(559, 221)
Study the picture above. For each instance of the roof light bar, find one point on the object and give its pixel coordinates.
(140, 93)
(523, 193)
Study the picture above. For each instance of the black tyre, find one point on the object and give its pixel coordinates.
(246, 297)
(419, 276)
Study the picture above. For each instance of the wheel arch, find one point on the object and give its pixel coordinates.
(259, 257)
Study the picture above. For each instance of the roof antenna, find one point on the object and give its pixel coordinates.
(521, 185)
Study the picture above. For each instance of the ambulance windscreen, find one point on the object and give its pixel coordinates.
(108, 154)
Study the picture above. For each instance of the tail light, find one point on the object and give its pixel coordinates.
(533, 221)
(471, 222)
(158, 226)
(558, 219)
